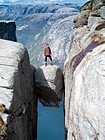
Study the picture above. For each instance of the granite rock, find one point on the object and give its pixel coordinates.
(17, 91)
(49, 84)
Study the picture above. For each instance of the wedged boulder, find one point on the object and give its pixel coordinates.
(49, 84)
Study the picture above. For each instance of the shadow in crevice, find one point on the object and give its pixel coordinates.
(47, 96)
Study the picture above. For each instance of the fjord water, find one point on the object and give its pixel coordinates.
(50, 123)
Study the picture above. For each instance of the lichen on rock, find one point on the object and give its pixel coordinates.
(3, 127)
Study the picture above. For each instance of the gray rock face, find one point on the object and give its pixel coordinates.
(8, 30)
(49, 84)
(17, 91)
(85, 87)
(92, 20)
(102, 12)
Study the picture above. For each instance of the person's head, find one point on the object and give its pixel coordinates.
(47, 44)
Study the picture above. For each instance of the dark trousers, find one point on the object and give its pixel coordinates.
(49, 57)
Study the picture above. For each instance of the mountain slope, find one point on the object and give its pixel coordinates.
(40, 24)
(40, 1)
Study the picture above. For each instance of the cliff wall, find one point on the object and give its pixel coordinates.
(17, 93)
(84, 79)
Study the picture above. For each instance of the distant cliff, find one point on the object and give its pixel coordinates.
(8, 30)
(41, 24)
(84, 74)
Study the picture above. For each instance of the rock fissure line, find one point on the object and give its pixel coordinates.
(79, 57)
(20, 111)
(6, 87)
(96, 133)
(8, 65)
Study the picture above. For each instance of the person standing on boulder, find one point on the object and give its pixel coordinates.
(47, 53)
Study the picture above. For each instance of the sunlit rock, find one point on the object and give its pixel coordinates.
(85, 87)
(16, 92)
(102, 12)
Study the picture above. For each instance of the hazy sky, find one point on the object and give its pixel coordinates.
(44, 1)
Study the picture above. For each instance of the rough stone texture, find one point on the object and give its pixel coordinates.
(102, 12)
(81, 19)
(8, 30)
(49, 84)
(87, 6)
(91, 12)
(92, 20)
(17, 91)
(84, 76)
(96, 5)
(96, 2)
(67, 70)
(98, 25)
(95, 13)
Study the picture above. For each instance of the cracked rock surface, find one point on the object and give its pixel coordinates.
(84, 76)
(17, 92)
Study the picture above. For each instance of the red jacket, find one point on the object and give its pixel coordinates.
(47, 51)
